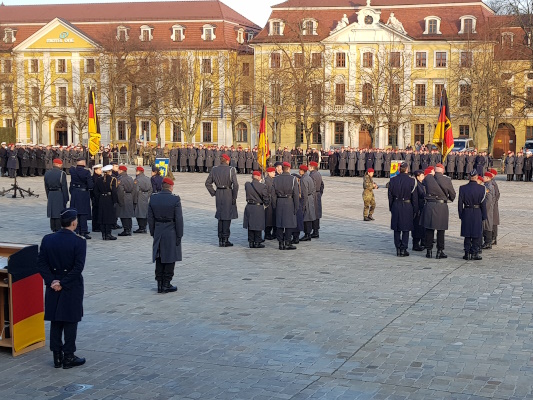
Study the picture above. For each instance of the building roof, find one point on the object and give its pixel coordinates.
(362, 3)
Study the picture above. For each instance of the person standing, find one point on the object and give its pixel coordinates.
(490, 199)
(368, 195)
(286, 199)
(472, 213)
(314, 174)
(12, 161)
(156, 180)
(509, 165)
(3, 159)
(418, 232)
(97, 172)
(257, 198)
(496, 220)
(226, 190)
(60, 262)
(105, 191)
(55, 185)
(81, 185)
(125, 210)
(403, 204)
(270, 212)
(165, 219)
(141, 197)
(307, 187)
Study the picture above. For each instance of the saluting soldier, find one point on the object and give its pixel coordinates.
(106, 192)
(257, 198)
(308, 191)
(472, 213)
(81, 183)
(403, 204)
(369, 200)
(141, 196)
(55, 185)
(226, 190)
(314, 174)
(286, 199)
(125, 209)
(270, 212)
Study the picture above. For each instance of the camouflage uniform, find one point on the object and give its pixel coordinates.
(368, 196)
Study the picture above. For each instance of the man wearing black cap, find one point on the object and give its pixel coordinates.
(286, 201)
(472, 213)
(156, 180)
(61, 262)
(81, 183)
(279, 167)
(55, 185)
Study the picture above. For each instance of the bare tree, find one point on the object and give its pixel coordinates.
(12, 97)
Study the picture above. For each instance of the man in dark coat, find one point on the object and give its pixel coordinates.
(419, 232)
(141, 196)
(125, 210)
(191, 157)
(3, 159)
(308, 193)
(439, 192)
(472, 213)
(183, 153)
(496, 209)
(200, 158)
(81, 183)
(319, 187)
(257, 198)
(509, 165)
(12, 161)
(270, 212)
(165, 219)
(97, 172)
(333, 162)
(460, 164)
(156, 180)
(226, 189)
(55, 185)
(450, 165)
(61, 261)
(403, 204)
(105, 191)
(209, 159)
(286, 199)
(343, 162)
(369, 159)
(480, 164)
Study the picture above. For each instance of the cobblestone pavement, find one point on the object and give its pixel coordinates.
(340, 318)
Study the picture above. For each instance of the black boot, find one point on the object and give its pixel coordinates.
(259, 245)
(289, 246)
(397, 252)
(440, 254)
(123, 233)
(429, 253)
(467, 256)
(404, 253)
(159, 286)
(305, 238)
(251, 244)
(315, 234)
(227, 243)
(110, 237)
(168, 288)
(282, 245)
(476, 257)
(140, 231)
(220, 242)
(487, 246)
(58, 359)
(72, 360)
(416, 245)
(295, 240)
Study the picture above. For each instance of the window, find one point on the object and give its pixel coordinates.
(317, 137)
(316, 60)
(62, 96)
(507, 39)
(250, 36)
(368, 60)
(421, 59)
(339, 132)
(122, 34)
(316, 93)
(34, 65)
(9, 35)
(242, 132)
(420, 95)
(121, 96)
(176, 132)
(35, 98)
(468, 24)
(89, 66)
(529, 132)
(300, 131)
(394, 59)
(145, 128)
(276, 28)
(467, 28)
(246, 98)
(240, 36)
(439, 87)
(146, 35)
(393, 136)
(121, 130)
(419, 133)
(465, 95)
(245, 69)
(506, 96)
(61, 66)
(9, 123)
(340, 94)
(206, 66)
(340, 60)
(206, 129)
(275, 60)
(466, 59)
(395, 94)
(8, 96)
(464, 130)
(367, 94)
(8, 65)
(298, 60)
(178, 34)
(207, 97)
(529, 97)
(440, 59)
(308, 27)
(275, 94)
(209, 33)
(432, 26)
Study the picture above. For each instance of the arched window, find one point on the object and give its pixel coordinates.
(242, 132)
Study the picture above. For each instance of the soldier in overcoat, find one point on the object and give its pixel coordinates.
(55, 185)
(490, 200)
(257, 198)
(509, 165)
(81, 184)
(124, 209)
(496, 220)
(307, 187)
(286, 199)
(142, 190)
(342, 162)
(472, 213)
(319, 191)
(419, 232)
(106, 192)
(270, 211)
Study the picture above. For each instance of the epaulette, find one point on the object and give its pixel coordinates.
(81, 237)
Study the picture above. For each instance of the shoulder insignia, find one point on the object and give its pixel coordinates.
(81, 237)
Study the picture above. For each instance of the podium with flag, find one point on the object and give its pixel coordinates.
(443, 136)
(93, 125)
(262, 144)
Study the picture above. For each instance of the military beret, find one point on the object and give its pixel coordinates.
(57, 161)
(226, 157)
(431, 167)
(473, 172)
(140, 169)
(271, 169)
(69, 214)
(303, 167)
(123, 168)
(313, 164)
(168, 181)
(439, 165)
(286, 164)
(427, 171)
(277, 163)
(369, 170)
(256, 173)
(107, 168)
(493, 172)
(489, 175)
(480, 178)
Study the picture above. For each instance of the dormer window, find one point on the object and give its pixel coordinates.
(122, 34)
(507, 39)
(240, 36)
(208, 33)
(432, 26)
(276, 27)
(9, 35)
(468, 24)
(309, 27)
(250, 36)
(178, 33)
(146, 33)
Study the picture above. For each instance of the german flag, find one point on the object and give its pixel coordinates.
(262, 146)
(94, 125)
(443, 136)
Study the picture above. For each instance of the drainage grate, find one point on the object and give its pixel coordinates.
(76, 388)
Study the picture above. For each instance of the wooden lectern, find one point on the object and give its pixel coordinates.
(21, 299)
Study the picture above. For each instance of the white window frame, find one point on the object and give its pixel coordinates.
(419, 82)
(58, 86)
(346, 61)
(427, 59)
(57, 66)
(207, 27)
(124, 29)
(435, 59)
(250, 36)
(12, 32)
(508, 34)
(146, 28)
(427, 19)
(202, 138)
(368, 50)
(304, 27)
(271, 27)
(240, 36)
(270, 60)
(435, 83)
(141, 122)
(85, 62)
(474, 23)
(176, 28)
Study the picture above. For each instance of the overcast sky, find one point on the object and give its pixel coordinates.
(257, 11)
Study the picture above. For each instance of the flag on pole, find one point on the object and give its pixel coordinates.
(443, 136)
(94, 125)
(262, 146)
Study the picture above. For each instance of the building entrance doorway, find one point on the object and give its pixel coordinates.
(61, 133)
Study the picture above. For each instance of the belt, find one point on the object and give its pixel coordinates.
(105, 194)
(80, 189)
(285, 196)
(54, 190)
(163, 220)
(405, 201)
(145, 191)
(435, 201)
(253, 203)
(472, 206)
(222, 187)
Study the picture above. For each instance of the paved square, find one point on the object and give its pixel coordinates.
(340, 318)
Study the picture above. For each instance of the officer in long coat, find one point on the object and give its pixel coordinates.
(472, 213)
(319, 191)
(419, 232)
(81, 183)
(241, 161)
(142, 190)
(12, 161)
(106, 192)
(286, 199)
(490, 199)
(55, 185)
(403, 204)
(496, 220)
(361, 160)
(308, 190)
(342, 162)
(3, 159)
(378, 163)
(173, 159)
(333, 162)
(226, 190)
(387, 161)
(270, 211)
(97, 172)
(352, 158)
(191, 158)
(249, 160)
(519, 166)
(200, 158)
(209, 159)
(125, 210)
(183, 153)
(61, 261)
(415, 161)
(450, 165)
(257, 198)
(165, 219)
(509, 165)
(460, 164)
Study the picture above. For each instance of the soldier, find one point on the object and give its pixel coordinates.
(490, 199)
(125, 210)
(200, 158)
(173, 159)
(141, 196)
(257, 198)
(378, 163)
(156, 180)
(519, 166)
(509, 165)
(496, 217)
(368, 195)
(472, 213)
(319, 188)
(528, 166)
(241, 161)
(191, 158)
(105, 191)
(226, 189)
(165, 219)
(183, 159)
(450, 165)
(308, 190)
(249, 160)
(403, 204)
(55, 185)
(81, 183)
(286, 200)
(12, 161)
(270, 212)
(209, 159)
(61, 261)
(439, 191)
(3, 159)
(419, 232)
(97, 172)
(342, 162)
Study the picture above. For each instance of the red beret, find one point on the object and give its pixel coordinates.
(168, 181)
(493, 172)
(303, 167)
(57, 161)
(140, 169)
(271, 169)
(256, 173)
(480, 178)
(439, 165)
(370, 170)
(431, 167)
(226, 157)
(286, 164)
(313, 164)
(489, 175)
(427, 171)
(123, 168)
